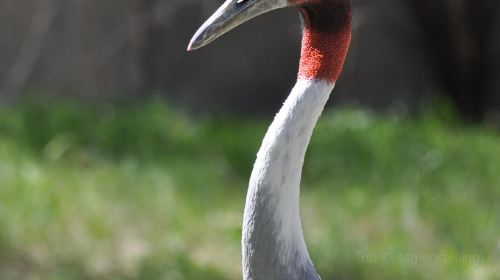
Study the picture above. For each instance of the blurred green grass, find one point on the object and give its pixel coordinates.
(145, 192)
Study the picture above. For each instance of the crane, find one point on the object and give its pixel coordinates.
(273, 245)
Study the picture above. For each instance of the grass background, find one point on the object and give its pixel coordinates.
(144, 192)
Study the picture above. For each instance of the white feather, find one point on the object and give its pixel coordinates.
(279, 164)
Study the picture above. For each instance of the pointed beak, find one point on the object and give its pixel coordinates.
(231, 14)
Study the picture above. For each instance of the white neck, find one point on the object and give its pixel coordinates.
(273, 243)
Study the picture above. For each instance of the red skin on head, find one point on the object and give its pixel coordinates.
(326, 38)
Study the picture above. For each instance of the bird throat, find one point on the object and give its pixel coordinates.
(273, 242)
(326, 38)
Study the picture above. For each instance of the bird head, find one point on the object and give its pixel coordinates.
(326, 36)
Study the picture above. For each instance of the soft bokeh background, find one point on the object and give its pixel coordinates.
(124, 157)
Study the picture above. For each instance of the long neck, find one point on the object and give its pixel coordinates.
(326, 38)
(273, 244)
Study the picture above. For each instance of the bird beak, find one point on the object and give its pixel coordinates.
(231, 14)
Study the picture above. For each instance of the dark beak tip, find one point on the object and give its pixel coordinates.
(196, 42)
(193, 46)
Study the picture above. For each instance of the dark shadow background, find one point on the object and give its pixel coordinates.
(404, 53)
